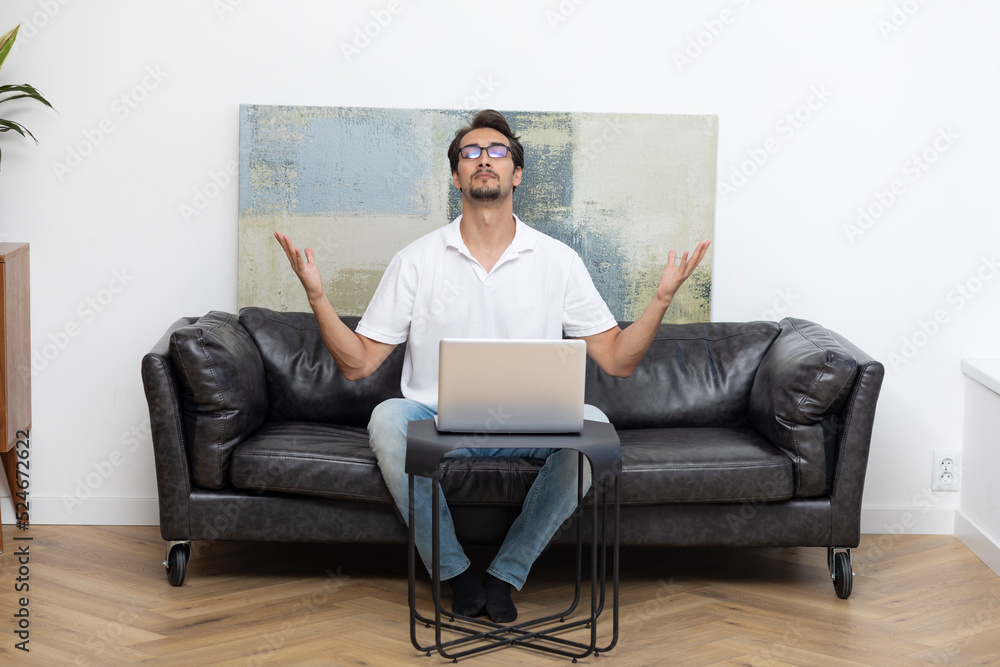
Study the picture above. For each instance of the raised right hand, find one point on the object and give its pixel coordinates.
(305, 267)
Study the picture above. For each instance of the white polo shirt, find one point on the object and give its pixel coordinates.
(434, 289)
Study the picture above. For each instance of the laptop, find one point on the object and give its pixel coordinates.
(511, 386)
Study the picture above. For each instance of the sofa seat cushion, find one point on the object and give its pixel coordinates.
(309, 458)
(682, 465)
(335, 461)
(673, 465)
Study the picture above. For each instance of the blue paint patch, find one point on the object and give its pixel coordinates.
(336, 160)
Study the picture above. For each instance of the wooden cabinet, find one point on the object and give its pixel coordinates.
(15, 357)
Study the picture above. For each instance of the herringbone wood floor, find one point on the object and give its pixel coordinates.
(99, 596)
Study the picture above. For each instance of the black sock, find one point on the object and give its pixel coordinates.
(498, 603)
(468, 596)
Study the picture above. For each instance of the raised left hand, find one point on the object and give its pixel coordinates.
(676, 273)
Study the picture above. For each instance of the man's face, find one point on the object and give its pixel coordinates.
(485, 178)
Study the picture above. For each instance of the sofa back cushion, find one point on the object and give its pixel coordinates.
(303, 381)
(222, 390)
(800, 387)
(693, 375)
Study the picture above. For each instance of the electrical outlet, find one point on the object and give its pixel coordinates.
(946, 475)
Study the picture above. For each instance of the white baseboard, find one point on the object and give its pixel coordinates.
(908, 520)
(978, 540)
(89, 512)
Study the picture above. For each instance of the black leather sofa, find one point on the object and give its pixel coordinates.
(732, 434)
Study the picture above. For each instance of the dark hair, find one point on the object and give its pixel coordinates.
(495, 121)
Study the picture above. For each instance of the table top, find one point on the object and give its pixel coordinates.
(598, 441)
(8, 248)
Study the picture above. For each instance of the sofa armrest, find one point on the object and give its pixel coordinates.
(173, 477)
(857, 420)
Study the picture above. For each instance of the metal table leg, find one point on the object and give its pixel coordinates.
(492, 635)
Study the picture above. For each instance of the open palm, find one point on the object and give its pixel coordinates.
(676, 272)
(304, 266)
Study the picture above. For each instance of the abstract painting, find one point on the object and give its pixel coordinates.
(358, 184)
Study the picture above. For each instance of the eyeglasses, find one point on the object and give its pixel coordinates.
(496, 151)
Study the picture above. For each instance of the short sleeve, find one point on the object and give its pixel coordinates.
(584, 312)
(387, 318)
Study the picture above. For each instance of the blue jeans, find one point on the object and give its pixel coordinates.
(550, 500)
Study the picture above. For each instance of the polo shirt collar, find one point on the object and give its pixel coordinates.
(525, 237)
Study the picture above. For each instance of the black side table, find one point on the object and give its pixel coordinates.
(598, 441)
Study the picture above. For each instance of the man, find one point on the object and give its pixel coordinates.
(485, 275)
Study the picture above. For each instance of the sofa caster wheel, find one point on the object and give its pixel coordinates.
(841, 572)
(178, 554)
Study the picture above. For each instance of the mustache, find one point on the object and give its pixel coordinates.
(486, 171)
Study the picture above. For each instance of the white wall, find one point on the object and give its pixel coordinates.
(149, 92)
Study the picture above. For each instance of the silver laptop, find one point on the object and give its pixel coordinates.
(511, 386)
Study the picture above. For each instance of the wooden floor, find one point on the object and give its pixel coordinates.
(99, 596)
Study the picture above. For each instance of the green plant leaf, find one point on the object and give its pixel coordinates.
(14, 92)
(6, 42)
(14, 126)
(26, 91)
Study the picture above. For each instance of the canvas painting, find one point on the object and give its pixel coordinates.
(358, 184)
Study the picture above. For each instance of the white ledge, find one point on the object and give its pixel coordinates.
(984, 371)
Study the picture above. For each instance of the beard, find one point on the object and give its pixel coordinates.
(484, 192)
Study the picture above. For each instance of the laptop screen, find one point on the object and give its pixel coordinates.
(511, 386)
